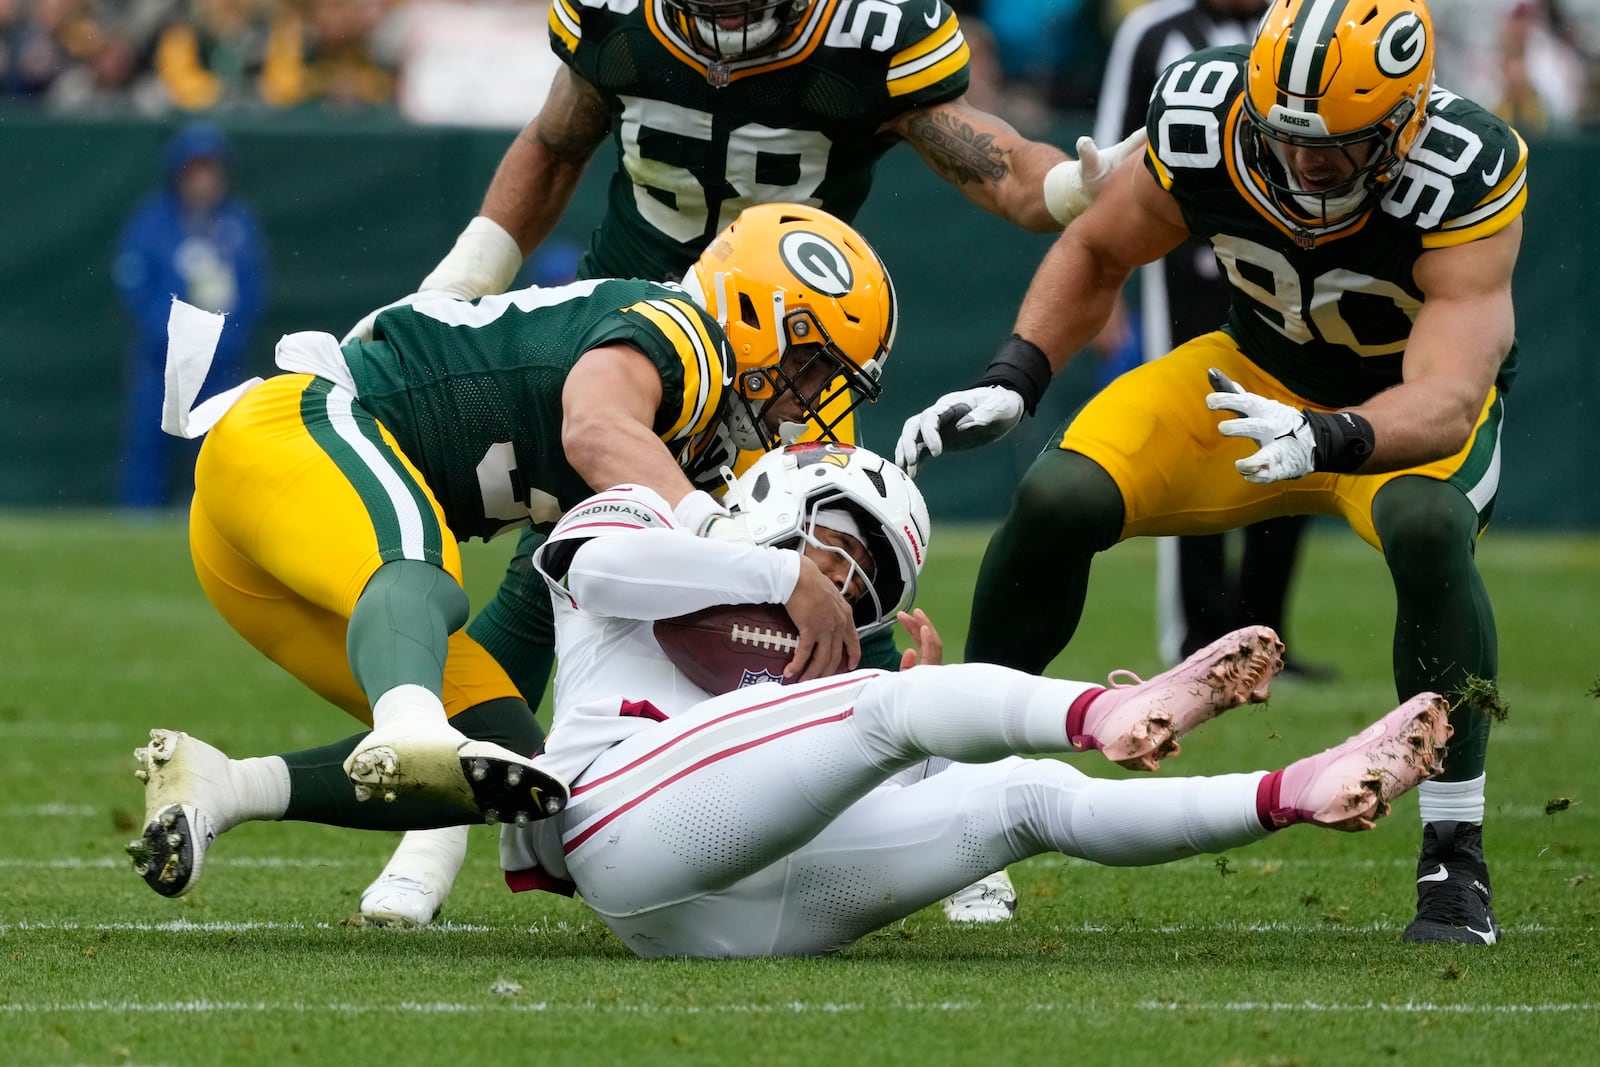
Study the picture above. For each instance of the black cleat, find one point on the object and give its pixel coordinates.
(169, 854)
(509, 790)
(1453, 891)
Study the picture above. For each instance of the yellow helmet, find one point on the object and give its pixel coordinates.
(809, 312)
(1336, 74)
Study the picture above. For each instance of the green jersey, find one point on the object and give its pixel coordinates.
(700, 142)
(472, 391)
(1329, 316)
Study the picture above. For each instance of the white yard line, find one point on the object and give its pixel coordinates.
(590, 1007)
(539, 925)
(75, 863)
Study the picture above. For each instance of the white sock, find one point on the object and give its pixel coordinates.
(260, 788)
(432, 857)
(970, 712)
(407, 706)
(1452, 801)
(1138, 821)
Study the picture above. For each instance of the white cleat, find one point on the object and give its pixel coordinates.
(989, 900)
(188, 790)
(395, 900)
(439, 762)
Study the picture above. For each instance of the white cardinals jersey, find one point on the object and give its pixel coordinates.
(616, 563)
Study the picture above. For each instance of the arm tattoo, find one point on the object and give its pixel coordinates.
(960, 153)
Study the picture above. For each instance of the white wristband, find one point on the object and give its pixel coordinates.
(1064, 197)
(485, 259)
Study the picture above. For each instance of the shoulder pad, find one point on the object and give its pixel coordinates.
(573, 20)
(692, 351)
(1189, 110)
(921, 39)
(1465, 177)
(566, 28)
(620, 509)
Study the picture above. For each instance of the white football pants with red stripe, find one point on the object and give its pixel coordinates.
(758, 824)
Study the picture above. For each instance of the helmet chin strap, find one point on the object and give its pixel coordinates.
(778, 309)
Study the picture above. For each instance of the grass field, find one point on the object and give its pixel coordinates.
(1284, 953)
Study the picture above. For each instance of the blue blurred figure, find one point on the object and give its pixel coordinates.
(194, 239)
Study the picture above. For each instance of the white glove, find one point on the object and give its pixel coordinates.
(966, 418)
(702, 515)
(1071, 186)
(485, 259)
(1284, 433)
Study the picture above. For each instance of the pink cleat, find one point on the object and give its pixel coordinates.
(1138, 725)
(1350, 786)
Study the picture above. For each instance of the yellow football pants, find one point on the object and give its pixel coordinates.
(287, 528)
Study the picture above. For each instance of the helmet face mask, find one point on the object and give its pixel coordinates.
(723, 30)
(810, 314)
(1346, 77)
(791, 493)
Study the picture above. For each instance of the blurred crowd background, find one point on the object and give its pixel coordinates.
(486, 62)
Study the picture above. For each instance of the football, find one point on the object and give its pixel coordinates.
(730, 646)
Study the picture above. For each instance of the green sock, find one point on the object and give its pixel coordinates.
(1444, 635)
(319, 791)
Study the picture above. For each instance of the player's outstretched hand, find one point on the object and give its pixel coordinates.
(1287, 445)
(929, 650)
(828, 641)
(1070, 187)
(1098, 163)
(967, 418)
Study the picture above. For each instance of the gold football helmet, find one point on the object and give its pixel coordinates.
(1336, 74)
(809, 312)
(734, 29)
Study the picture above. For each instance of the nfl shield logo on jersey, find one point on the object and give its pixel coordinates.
(717, 74)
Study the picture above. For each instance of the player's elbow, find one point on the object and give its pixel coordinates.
(1455, 423)
(581, 430)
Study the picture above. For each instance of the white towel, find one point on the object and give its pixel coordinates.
(192, 336)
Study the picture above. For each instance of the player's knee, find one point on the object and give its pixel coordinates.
(1065, 495)
(409, 589)
(1039, 794)
(1424, 525)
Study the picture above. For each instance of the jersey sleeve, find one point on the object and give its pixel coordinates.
(1466, 177)
(643, 566)
(688, 347)
(929, 61)
(620, 509)
(1188, 121)
(568, 20)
